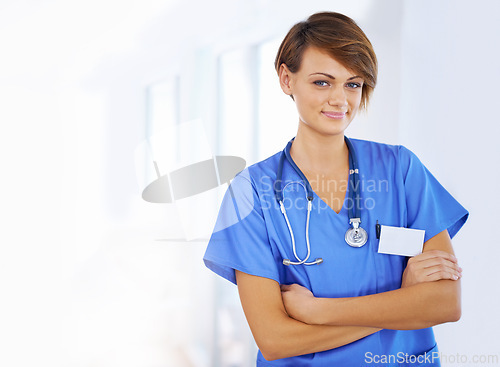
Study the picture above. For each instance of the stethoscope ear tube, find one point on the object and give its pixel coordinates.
(278, 191)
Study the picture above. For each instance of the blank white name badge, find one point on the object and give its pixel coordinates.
(401, 241)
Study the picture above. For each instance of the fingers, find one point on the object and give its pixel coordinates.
(435, 254)
(433, 265)
(442, 272)
(435, 258)
(439, 262)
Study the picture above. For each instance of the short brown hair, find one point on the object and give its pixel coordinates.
(340, 37)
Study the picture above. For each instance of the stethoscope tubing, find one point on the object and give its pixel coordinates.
(309, 208)
(354, 198)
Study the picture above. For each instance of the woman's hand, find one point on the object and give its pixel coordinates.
(430, 266)
(299, 302)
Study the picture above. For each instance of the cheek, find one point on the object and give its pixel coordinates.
(303, 100)
(310, 99)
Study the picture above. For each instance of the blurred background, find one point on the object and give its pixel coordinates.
(92, 93)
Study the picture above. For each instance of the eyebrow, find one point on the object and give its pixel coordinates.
(332, 77)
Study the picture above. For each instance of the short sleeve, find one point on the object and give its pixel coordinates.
(429, 205)
(239, 240)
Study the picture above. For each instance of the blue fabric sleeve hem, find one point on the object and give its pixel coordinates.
(453, 226)
(226, 269)
(458, 224)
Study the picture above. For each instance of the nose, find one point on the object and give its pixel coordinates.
(337, 97)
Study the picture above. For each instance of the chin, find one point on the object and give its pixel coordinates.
(331, 132)
(327, 128)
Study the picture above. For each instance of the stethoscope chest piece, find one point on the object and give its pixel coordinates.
(356, 236)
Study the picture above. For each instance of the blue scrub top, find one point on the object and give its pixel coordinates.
(251, 236)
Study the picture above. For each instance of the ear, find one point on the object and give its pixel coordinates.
(285, 76)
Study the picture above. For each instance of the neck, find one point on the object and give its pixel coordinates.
(326, 155)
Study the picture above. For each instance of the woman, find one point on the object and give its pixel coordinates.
(299, 232)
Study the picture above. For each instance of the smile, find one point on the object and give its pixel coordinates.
(334, 115)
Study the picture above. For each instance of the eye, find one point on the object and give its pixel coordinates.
(354, 85)
(321, 83)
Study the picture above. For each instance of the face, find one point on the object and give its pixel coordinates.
(327, 94)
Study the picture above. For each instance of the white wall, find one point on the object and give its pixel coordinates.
(85, 271)
(449, 117)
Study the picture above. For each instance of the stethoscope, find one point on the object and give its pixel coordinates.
(355, 236)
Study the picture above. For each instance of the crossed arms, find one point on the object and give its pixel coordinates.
(288, 321)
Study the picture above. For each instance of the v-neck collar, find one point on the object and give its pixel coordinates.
(303, 177)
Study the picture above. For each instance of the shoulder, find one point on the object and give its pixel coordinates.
(375, 147)
(263, 170)
(386, 157)
(382, 150)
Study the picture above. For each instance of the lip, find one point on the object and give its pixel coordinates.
(334, 115)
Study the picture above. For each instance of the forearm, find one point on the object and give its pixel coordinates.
(290, 337)
(419, 306)
(425, 304)
(276, 333)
